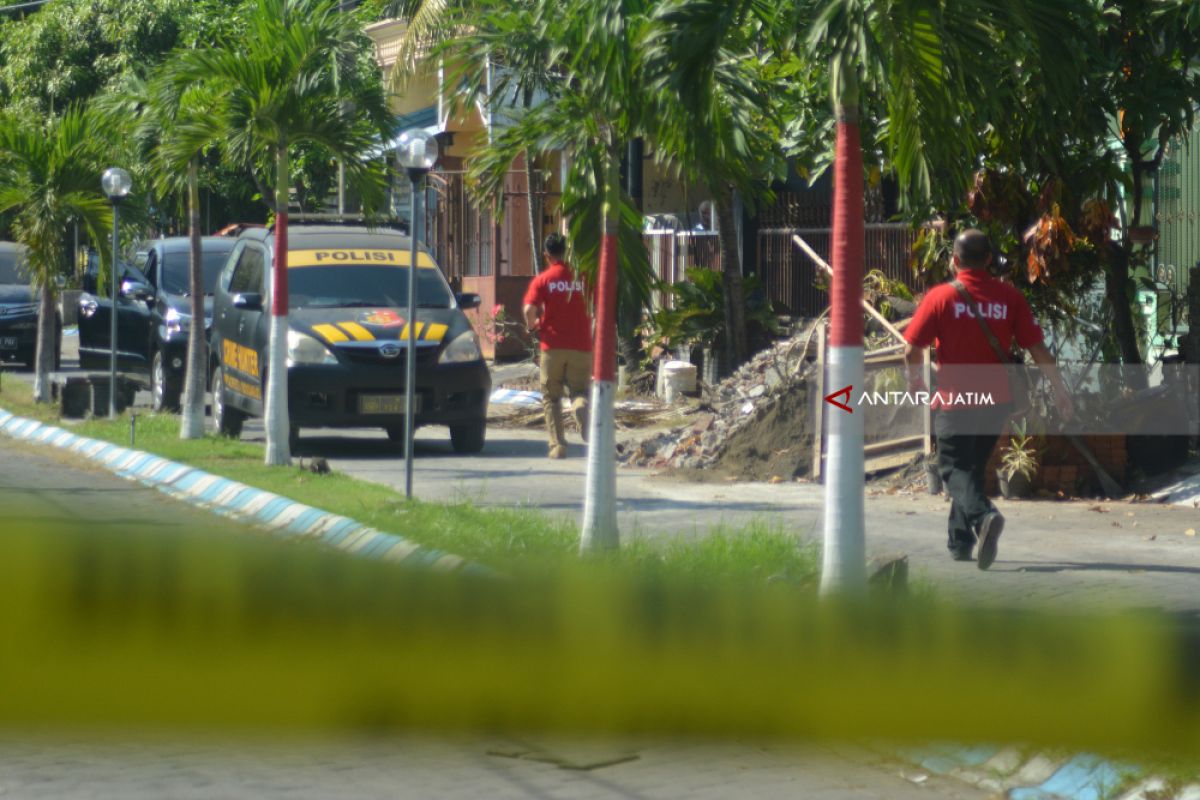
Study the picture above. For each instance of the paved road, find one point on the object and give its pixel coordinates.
(1062, 555)
(426, 768)
(41, 484)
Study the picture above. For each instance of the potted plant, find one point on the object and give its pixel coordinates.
(1018, 464)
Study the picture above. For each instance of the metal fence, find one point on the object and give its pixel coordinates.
(1177, 217)
(790, 278)
(673, 253)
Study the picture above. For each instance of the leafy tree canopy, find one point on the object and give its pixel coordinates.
(73, 49)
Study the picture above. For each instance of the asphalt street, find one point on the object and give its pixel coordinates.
(44, 485)
(201, 768)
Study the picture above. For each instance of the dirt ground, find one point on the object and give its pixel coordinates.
(775, 448)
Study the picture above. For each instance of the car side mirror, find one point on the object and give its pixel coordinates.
(468, 300)
(137, 290)
(250, 301)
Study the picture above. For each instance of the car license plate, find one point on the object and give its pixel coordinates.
(8, 343)
(384, 404)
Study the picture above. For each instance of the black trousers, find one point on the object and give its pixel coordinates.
(965, 439)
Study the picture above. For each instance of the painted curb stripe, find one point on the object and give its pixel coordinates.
(1084, 777)
(305, 521)
(340, 532)
(236, 500)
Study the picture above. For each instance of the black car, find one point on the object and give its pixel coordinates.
(19, 310)
(346, 350)
(153, 315)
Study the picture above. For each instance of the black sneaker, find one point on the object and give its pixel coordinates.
(962, 552)
(989, 538)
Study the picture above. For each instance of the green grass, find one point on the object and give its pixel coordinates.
(512, 540)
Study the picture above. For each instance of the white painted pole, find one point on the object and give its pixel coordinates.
(844, 562)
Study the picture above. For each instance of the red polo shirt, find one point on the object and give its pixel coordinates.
(944, 320)
(562, 297)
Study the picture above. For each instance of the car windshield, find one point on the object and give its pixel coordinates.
(175, 271)
(366, 286)
(9, 273)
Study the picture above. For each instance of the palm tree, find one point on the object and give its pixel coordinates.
(154, 112)
(923, 56)
(581, 56)
(712, 81)
(916, 64)
(277, 89)
(49, 179)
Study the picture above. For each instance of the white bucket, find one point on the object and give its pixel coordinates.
(678, 377)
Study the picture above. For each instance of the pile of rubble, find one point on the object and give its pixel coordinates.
(760, 412)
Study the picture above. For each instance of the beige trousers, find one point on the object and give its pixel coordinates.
(569, 370)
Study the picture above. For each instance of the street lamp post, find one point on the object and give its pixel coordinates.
(416, 152)
(116, 184)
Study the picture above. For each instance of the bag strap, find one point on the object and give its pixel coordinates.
(987, 331)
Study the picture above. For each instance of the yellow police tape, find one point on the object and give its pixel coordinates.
(191, 629)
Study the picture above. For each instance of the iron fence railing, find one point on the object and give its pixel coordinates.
(673, 253)
(790, 279)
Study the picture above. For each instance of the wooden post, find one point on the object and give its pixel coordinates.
(926, 412)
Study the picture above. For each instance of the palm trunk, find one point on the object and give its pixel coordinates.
(1117, 283)
(600, 501)
(844, 567)
(277, 424)
(192, 424)
(736, 349)
(44, 357)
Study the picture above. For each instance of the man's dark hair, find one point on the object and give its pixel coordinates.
(973, 249)
(556, 245)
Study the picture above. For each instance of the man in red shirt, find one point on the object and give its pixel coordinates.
(556, 309)
(966, 426)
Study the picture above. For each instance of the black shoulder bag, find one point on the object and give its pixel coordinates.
(1018, 381)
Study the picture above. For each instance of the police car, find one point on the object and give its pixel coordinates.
(347, 337)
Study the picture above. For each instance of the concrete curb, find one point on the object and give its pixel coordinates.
(279, 515)
(1016, 776)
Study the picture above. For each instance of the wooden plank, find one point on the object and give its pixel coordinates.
(870, 309)
(819, 417)
(875, 359)
(887, 461)
(907, 442)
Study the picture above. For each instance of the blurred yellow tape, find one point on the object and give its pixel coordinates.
(191, 629)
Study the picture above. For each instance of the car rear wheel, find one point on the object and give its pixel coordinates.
(468, 438)
(164, 388)
(228, 420)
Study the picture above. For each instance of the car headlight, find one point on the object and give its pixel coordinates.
(465, 347)
(304, 349)
(177, 321)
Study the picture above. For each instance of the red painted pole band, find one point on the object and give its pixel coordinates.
(604, 354)
(279, 301)
(848, 252)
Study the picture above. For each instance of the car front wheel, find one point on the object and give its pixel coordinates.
(228, 420)
(164, 387)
